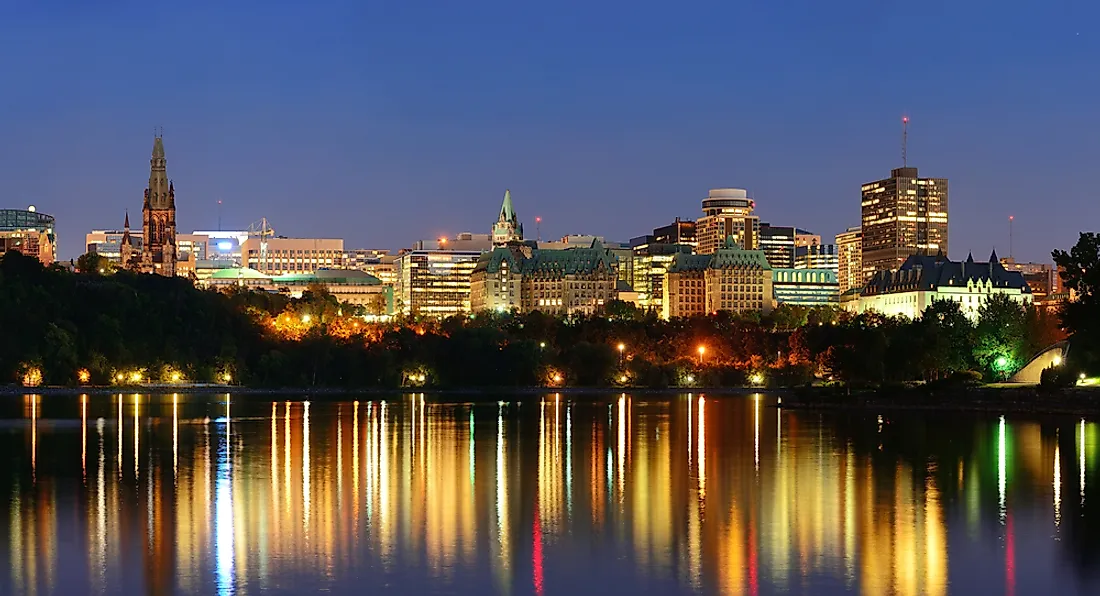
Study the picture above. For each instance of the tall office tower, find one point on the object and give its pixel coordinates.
(902, 215)
(680, 231)
(158, 250)
(727, 212)
(778, 244)
(849, 251)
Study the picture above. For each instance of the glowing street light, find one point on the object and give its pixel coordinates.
(622, 379)
(306, 319)
(135, 377)
(175, 377)
(690, 378)
(83, 375)
(1057, 361)
(1002, 362)
(557, 377)
(227, 377)
(702, 351)
(757, 379)
(622, 347)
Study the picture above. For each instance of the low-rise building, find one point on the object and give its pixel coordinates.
(921, 280)
(434, 283)
(29, 232)
(350, 287)
(805, 287)
(817, 256)
(286, 256)
(684, 288)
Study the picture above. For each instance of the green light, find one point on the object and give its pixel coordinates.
(1002, 362)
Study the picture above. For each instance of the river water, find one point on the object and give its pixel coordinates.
(415, 494)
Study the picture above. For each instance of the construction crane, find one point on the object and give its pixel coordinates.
(262, 231)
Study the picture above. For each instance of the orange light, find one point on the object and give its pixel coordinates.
(622, 347)
(702, 350)
(83, 375)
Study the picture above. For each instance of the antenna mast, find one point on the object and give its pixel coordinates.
(904, 140)
(1011, 218)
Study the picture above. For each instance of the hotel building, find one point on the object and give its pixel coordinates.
(731, 279)
(554, 281)
(903, 215)
(727, 213)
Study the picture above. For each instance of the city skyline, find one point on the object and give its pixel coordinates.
(620, 131)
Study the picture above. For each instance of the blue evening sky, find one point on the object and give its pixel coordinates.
(386, 122)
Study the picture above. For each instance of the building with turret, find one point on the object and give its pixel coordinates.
(507, 228)
(158, 217)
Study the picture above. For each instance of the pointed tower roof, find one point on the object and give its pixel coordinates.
(158, 146)
(126, 221)
(507, 211)
(970, 257)
(126, 240)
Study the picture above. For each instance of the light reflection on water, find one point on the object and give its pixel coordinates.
(675, 495)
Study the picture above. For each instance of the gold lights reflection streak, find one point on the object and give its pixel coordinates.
(286, 457)
(84, 437)
(355, 462)
(34, 437)
(504, 548)
(621, 451)
(702, 456)
(1082, 463)
(175, 434)
(756, 431)
(136, 437)
(1002, 467)
(101, 513)
(305, 468)
(1057, 485)
(223, 514)
(119, 435)
(275, 463)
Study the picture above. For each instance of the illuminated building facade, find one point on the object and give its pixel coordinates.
(158, 215)
(348, 286)
(732, 279)
(286, 256)
(680, 231)
(1042, 278)
(778, 244)
(555, 281)
(805, 287)
(651, 261)
(903, 215)
(108, 243)
(379, 263)
(507, 228)
(849, 254)
(921, 280)
(727, 212)
(434, 283)
(28, 232)
(817, 256)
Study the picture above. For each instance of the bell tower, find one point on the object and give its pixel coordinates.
(158, 251)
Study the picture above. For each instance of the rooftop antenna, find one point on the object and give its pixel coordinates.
(219, 215)
(904, 140)
(538, 228)
(1011, 218)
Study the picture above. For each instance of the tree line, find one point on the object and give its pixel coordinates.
(113, 327)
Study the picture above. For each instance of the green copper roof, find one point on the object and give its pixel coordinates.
(238, 273)
(332, 276)
(688, 262)
(568, 261)
(507, 211)
(732, 256)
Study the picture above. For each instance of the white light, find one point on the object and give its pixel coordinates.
(225, 245)
(32, 208)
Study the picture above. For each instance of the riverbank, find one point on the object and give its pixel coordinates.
(336, 392)
(1022, 399)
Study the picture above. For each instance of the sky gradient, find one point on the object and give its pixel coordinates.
(387, 122)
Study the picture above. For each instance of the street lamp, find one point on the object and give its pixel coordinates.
(702, 350)
(622, 347)
(1057, 361)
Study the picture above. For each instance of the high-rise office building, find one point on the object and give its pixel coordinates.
(903, 215)
(680, 231)
(849, 253)
(727, 213)
(817, 256)
(778, 244)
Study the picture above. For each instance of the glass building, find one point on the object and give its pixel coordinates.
(805, 287)
(903, 215)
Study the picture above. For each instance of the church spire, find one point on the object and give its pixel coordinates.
(158, 176)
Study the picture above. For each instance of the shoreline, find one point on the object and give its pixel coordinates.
(17, 391)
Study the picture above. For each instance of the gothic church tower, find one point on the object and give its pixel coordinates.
(158, 251)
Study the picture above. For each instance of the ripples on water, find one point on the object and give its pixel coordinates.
(673, 495)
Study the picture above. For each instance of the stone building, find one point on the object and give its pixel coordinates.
(555, 281)
(158, 216)
(731, 279)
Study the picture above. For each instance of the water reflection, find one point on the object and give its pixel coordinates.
(686, 494)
